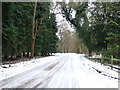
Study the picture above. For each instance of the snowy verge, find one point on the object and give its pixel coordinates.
(101, 69)
(23, 66)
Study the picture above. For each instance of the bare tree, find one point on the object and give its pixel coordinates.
(71, 43)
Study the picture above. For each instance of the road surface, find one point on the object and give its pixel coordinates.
(64, 71)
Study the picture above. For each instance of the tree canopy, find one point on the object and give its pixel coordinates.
(97, 24)
(17, 29)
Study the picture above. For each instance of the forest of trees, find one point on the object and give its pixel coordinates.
(97, 25)
(17, 24)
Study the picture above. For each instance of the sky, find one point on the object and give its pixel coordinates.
(62, 20)
(62, 23)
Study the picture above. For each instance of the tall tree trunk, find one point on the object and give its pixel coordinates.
(33, 32)
(33, 42)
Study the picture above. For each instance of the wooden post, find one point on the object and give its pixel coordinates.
(101, 60)
(95, 58)
(111, 62)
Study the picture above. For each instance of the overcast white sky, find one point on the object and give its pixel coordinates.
(61, 21)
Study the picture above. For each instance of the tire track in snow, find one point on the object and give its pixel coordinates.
(66, 71)
(25, 76)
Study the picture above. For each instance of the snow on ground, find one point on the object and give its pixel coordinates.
(66, 70)
(83, 75)
(22, 66)
(102, 68)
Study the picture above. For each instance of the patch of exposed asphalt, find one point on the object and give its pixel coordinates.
(51, 66)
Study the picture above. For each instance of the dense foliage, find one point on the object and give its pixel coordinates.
(105, 27)
(97, 25)
(17, 29)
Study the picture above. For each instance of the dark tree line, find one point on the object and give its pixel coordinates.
(17, 21)
(100, 29)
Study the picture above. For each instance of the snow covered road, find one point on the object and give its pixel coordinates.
(68, 70)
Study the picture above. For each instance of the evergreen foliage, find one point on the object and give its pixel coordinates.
(17, 29)
(98, 26)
